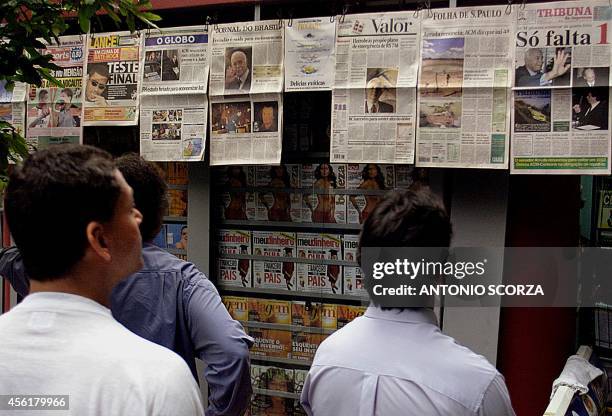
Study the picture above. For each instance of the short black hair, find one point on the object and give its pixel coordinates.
(149, 192)
(52, 198)
(100, 68)
(407, 218)
(600, 94)
(67, 91)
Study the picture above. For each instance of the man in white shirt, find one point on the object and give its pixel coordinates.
(72, 216)
(396, 361)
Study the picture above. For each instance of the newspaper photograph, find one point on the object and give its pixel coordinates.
(112, 74)
(281, 205)
(246, 130)
(246, 57)
(324, 206)
(175, 61)
(374, 95)
(326, 278)
(274, 274)
(233, 271)
(13, 106)
(561, 93)
(309, 54)
(235, 202)
(55, 113)
(464, 87)
(173, 127)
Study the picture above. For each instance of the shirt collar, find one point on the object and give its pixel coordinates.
(532, 73)
(416, 315)
(58, 301)
(244, 77)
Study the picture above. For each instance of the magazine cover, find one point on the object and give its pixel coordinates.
(266, 405)
(346, 313)
(305, 344)
(322, 207)
(271, 342)
(306, 313)
(270, 311)
(239, 204)
(234, 272)
(352, 276)
(272, 378)
(367, 177)
(329, 316)
(177, 202)
(299, 378)
(237, 306)
(174, 173)
(272, 274)
(281, 205)
(319, 277)
(177, 236)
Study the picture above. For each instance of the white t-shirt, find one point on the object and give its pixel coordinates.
(60, 344)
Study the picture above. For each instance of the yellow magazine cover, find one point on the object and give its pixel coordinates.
(329, 316)
(305, 344)
(270, 311)
(347, 313)
(237, 306)
(271, 342)
(306, 313)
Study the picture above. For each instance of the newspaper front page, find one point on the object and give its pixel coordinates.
(246, 130)
(246, 57)
(112, 79)
(464, 87)
(12, 105)
(309, 54)
(374, 95)
(55, 113)
(561, 94)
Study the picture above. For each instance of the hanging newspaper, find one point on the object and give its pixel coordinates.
(373, 101)
(55, 113)
(562, 88)
(111, 83)
(246, 57)
(246, 130)
(12, 105)
(464, 88)
(309, 49)
(175, 61)
(173, 127)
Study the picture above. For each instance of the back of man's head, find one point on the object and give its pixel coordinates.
(149, 192)
(407, 218)
(52, 198)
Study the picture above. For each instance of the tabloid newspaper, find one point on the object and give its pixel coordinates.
(55, 113)
(174, 107)
(246, 57)
(281, 205)
(323, 205)
(309, 54)
(311, 277)
(352, 275)
(464, 87)
(13, 107)
(236, 204)
(373, 100)
(237, 306)
(305, 344)
(306, 313)
(112, 79)
(270, 311)
(562, 92)
(246, 130)
(233, 271)
(274, 274)
(271, 342)
(173, 127)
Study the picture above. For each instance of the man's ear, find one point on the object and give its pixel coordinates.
(97, 240)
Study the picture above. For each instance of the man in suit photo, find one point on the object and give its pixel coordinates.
(375, 88)
(531, 74)
(238, 73)
(594, 112)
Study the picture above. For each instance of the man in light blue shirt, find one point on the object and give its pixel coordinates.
(170, 302)
(396, 361)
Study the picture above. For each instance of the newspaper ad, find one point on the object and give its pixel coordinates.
(353, 277)
(319, 277)
(55, 113)
(236, 203)
(246, 57)
(309, 54)
(232, 271)
(374, 95)
(274, 274)
(324, 206)
(246, 130)
(281, 204)
(12, 106)
(175, 61)
(562, 92)
(173, 127)
(464, 87)
(112, 79)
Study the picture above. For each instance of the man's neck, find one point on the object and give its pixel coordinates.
(74, 284)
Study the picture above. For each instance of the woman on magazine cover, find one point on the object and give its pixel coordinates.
(325, 211)
(236, 209)
(281, 207)
(371, 178)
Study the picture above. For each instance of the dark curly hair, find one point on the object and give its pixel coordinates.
(379, 179)
(332, 174)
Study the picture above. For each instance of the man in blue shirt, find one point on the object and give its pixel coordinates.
(170, 302)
